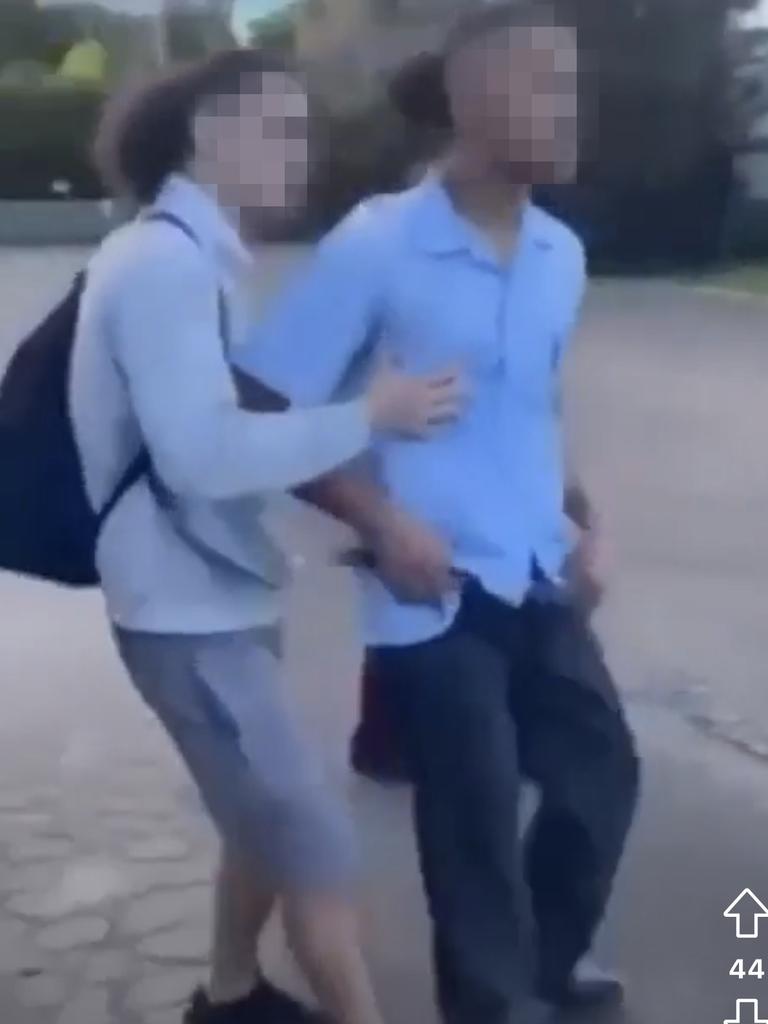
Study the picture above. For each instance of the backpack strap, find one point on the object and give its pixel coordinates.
(170, 218)
(140, 468)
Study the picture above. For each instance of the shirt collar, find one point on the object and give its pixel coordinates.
(218, 237)
(440, 230)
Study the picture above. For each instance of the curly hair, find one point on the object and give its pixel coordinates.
(147, 134)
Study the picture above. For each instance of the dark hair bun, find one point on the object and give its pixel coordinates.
(418, 92)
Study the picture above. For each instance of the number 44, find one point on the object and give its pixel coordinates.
(755, 971)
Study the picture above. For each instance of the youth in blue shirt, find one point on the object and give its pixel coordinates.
(487, 682)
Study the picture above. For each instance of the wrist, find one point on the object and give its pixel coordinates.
(357, 500)
(377, 410)
(371, 403)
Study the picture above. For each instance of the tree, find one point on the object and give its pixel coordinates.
(21, 35)
(275, 31)
(194, 30)
(657, 84)
(657, 174)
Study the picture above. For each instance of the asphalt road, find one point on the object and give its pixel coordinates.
(104, 857)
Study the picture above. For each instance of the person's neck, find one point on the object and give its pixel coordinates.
(490, 202)
(230, 213)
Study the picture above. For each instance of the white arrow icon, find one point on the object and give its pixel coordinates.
(747, 1011)
(747, 909)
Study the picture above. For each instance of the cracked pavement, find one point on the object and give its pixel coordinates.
(105, 858)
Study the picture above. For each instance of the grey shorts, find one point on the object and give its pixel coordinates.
(220, 699)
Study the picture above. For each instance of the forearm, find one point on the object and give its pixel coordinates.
(350, 496)
(222, 453)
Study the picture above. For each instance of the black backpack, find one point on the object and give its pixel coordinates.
(48, 528)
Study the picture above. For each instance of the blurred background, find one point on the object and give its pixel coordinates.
(104, 856)
(675, 167)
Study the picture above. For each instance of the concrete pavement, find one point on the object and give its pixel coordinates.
(104, 856)
(669, 405)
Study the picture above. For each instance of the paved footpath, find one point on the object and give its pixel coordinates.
(105, 858)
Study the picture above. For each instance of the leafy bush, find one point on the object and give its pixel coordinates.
(364, 151)
(45, 139)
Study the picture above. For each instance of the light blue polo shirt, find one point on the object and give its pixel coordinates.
(408, 274)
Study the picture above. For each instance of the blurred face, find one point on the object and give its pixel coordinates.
(252, 148)
(514, 95)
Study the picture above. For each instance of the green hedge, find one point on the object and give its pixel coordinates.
(46, 133)
(45, 137)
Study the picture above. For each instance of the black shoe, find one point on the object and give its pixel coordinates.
(266, 1004)
(587, 988)
(285, 1008)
